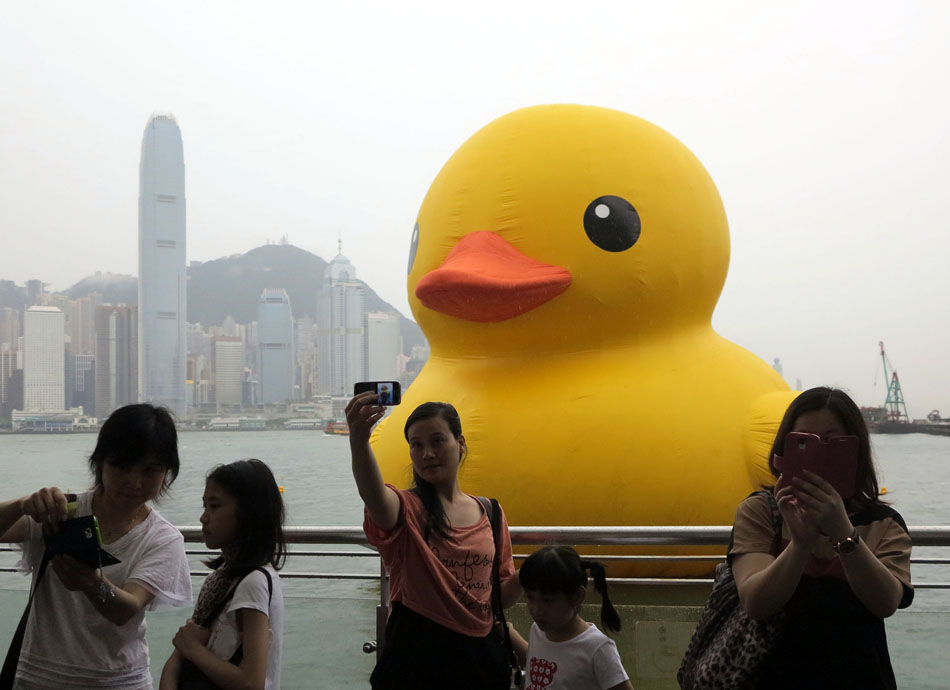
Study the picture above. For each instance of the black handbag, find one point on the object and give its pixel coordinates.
(728, 648)
(190, 677)
(514, 667)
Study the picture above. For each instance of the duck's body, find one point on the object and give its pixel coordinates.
(565, 269)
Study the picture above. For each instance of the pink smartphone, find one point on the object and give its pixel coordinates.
(834, 460)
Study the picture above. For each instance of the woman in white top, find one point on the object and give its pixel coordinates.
(86, 627)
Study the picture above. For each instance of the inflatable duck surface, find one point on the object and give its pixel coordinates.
(564, 267)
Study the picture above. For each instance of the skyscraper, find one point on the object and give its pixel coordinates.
(228, 371)
(341, 313)
(162, 354)
(117, 378)
(275, 333)
(44, 362)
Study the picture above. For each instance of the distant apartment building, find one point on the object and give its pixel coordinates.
(341, 319)
(34, 292)
(161, 317)
(9, 326)
(81, 382)
(305, 340)
(383, 346)
(228, 371)
(117, 379)
(81, 323)
(8, 361)
(275, 347)
(200, 379)
(44, 353)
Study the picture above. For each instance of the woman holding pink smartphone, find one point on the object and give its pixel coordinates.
(838, 567)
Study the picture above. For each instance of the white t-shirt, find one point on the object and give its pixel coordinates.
(68, 644)
(252, 593)
(589, 661)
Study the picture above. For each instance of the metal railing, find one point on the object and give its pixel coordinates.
(923, 536)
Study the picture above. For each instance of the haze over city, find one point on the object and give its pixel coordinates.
(823, 126)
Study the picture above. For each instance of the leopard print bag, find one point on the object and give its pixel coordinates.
(728, 648)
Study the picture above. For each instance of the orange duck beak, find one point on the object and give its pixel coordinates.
(485, 279)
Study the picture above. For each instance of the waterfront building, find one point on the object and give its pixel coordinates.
(341, 319)
(117, 378)
(44, 359)
(228, 371)
(275, 350)
(383, 346)
(161, 317)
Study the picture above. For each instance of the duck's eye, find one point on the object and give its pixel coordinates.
(413, 243)
(612, 223)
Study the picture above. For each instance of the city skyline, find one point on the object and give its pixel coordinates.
(826, 139)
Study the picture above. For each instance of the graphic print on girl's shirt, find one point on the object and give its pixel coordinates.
(540, 673)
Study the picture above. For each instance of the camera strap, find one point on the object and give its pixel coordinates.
(8, 674)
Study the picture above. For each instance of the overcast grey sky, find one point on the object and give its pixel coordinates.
(824, 125)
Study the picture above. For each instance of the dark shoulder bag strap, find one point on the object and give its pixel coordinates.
(8, 673)
(492, 509)
(238, 655)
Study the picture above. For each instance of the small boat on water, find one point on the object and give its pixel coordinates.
(336, 428)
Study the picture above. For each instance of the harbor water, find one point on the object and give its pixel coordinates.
(328, 620)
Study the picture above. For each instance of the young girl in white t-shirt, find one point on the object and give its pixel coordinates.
(564, 651)
(235, 635)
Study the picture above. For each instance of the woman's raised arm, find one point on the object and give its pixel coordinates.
(381, 502)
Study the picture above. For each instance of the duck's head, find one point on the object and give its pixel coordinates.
(565, 227)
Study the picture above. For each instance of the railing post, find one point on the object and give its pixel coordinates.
(382, 610)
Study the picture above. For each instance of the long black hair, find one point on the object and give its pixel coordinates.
(843, 407)
(560, 570)
(260, 517)
(137, 433)
(435, 520)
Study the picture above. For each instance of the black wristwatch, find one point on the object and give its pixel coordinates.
(848, 544)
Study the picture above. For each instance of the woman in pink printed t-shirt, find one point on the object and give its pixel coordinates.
(437, 543)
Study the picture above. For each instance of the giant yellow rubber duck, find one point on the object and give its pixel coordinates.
(564, 268)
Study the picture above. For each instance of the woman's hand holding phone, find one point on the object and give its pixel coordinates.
(362, 413)
(824, 505)
(803, 528)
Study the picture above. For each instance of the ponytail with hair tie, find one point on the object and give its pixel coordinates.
(609, 618)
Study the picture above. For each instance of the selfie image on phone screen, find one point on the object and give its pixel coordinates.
(387, 392)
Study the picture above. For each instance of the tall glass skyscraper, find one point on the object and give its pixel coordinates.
(162, 353)
(341, 331)
(275, 334)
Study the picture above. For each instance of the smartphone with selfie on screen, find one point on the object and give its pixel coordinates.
(834, 460)
(388, 392)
